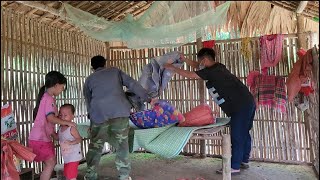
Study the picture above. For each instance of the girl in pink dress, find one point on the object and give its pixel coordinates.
(45, 117)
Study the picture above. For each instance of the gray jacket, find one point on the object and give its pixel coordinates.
(105, 97)
(155, 78)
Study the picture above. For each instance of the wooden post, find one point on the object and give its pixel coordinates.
(303, 39)
(226, 157)
(201, 82)
(202, 100)
(107, 53)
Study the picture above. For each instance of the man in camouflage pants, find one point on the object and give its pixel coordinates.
(109, 110)
(114, 131)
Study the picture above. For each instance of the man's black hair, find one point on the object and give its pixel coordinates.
(207, 52)
(98, 61)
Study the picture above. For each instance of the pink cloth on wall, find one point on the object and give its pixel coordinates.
(269, 90)
(280, 99)
(270, 50)
(251, 77)
(301, 71)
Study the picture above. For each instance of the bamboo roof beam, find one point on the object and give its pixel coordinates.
(59, 18)
(93, 6)
(47, 14)
(106, 8)
(137, 11)
(301, 6)
(283, 6)
(31, 12)
(123, 12)
(87, 10)
(81, 4)
(114, 11)
(41, 7)
(142, 9)
(45, 8)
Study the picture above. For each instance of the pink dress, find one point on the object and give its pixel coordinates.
(40, 136)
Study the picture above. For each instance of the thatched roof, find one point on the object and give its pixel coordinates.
(250, 17)
(254, 18)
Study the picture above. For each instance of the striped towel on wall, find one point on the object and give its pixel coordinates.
(269, 90)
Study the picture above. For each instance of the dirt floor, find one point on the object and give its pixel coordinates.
(147, 166)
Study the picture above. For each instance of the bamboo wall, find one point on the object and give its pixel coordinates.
(276, 137)
(29, 50)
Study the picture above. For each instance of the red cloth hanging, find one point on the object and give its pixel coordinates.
(8, 149)
(208, 44)
(300, 74)
(307, 90)
(270, 50)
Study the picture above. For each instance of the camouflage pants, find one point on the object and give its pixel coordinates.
(114, 131)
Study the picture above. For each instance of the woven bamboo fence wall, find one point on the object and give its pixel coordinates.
(276, 137)
(312, 115)
(29, 50)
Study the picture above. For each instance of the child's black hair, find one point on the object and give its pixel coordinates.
(69, 106)
(51, 79)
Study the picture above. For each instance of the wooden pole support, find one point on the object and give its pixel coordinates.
(203, 153)
(201, 82)
(302, 6)
(202, 100)
(107, 53)
(226, 157)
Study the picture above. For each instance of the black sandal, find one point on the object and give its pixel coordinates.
(233, 172)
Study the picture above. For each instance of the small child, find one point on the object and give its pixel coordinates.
(69, 139)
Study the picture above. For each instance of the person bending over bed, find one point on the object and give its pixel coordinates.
(232, 96)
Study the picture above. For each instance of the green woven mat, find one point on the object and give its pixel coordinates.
(167, 141)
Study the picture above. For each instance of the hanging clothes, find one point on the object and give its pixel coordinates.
(251, 78)
(155, 78)
(280, 99)
(264, 90)
(8, 149)
(301, 75)
(269, 90)
(301, 102)
(270, 50)
(245, 48)
(208, 44)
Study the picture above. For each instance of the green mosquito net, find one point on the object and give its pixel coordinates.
(164, 24)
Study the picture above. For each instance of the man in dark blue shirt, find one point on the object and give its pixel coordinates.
(232, 96)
